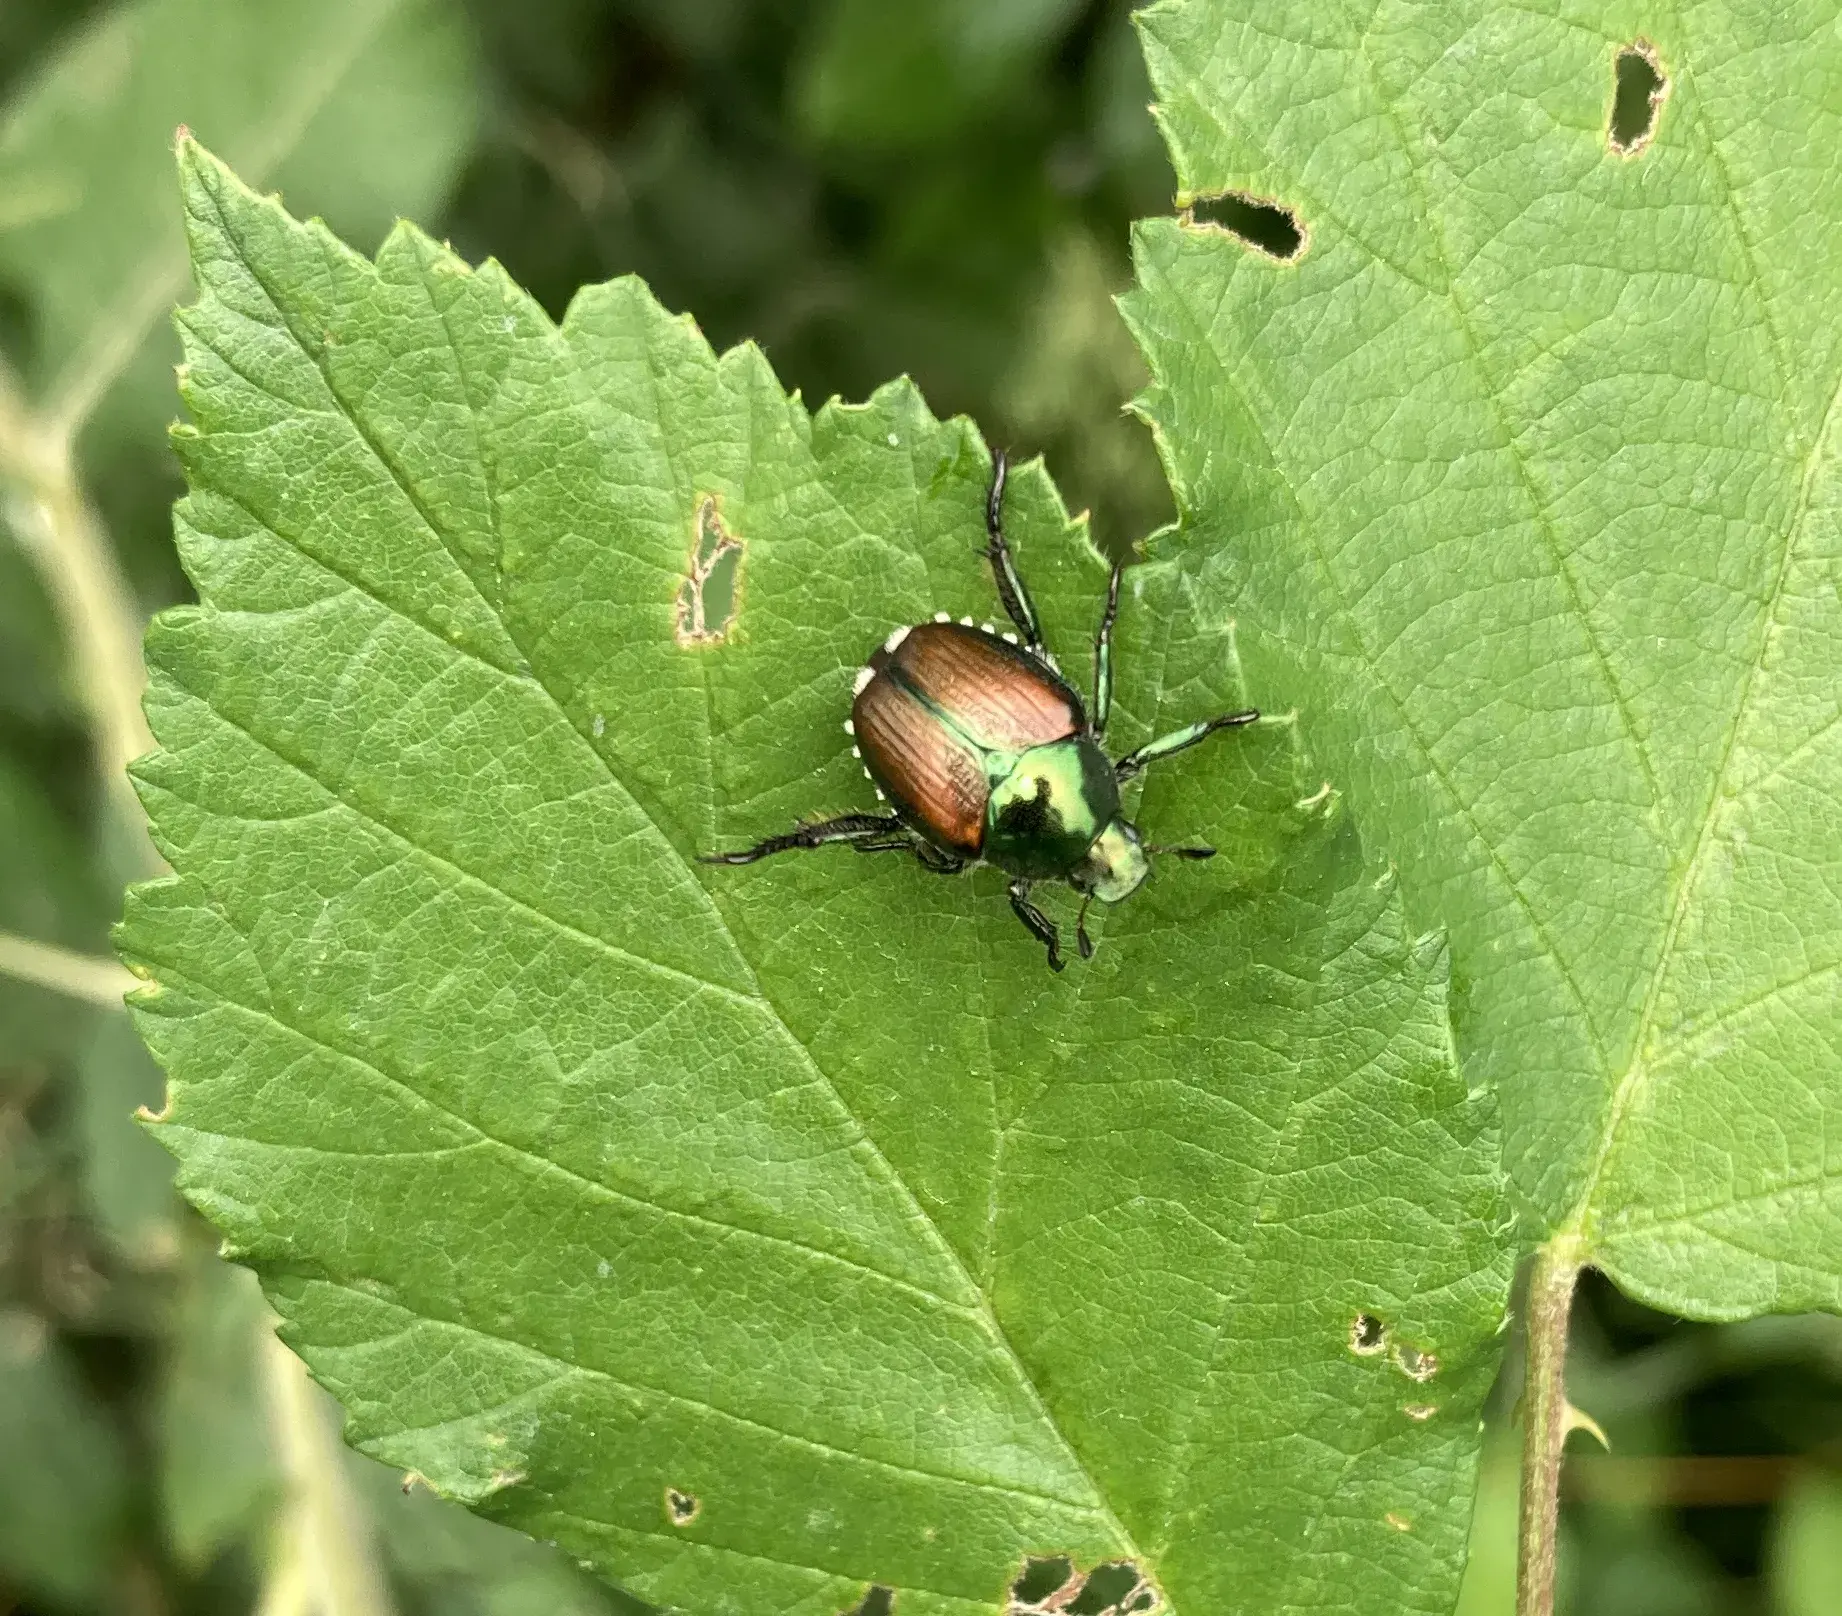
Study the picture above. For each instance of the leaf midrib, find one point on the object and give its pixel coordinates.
(1643, 1064)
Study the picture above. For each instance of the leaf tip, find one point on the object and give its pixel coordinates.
(196, 161)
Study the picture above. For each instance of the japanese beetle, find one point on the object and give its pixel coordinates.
(986, 755)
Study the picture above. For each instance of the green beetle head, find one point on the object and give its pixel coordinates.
(1116, 865)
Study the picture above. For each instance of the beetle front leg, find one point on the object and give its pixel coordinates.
(1179, 740)
(1011, 589)
(845, 828)
(1041, 927)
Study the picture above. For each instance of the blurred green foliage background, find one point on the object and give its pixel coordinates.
(941, 187)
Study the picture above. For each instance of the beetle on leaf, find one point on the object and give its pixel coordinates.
(986, 755)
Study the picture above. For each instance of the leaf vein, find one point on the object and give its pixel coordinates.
(569, 1369)
(544, 1164)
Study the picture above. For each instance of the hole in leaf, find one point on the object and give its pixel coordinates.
(1108, 1588)
(1367, 1335)
(1053, 1584)
(877, 1601)
(1639, 86)
(707, 598)
(1040, 1579)
(681, 1508)
(1264, 226)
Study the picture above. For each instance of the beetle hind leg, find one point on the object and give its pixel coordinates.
(930, 857)
(1011, 589)
(856, 828)
(1039, 925)
(1103, 656)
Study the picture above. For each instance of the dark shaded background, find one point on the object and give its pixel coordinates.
(865, 187)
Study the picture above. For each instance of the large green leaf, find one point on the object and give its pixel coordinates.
(1523, 479)
(763, 1235)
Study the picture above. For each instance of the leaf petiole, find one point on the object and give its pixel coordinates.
(1547, 1418)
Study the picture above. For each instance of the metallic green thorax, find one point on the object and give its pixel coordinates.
(1047, 806)
(1053, 815)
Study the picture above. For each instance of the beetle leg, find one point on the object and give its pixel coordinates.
(1041, 927)
(845, 828)
(933, 858)
(1103, 657)
(1178, 740)
(1081, 937)
(1011, 589)
(884, 844)
(1184, 852)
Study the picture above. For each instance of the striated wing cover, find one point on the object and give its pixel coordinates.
(999, 695)
(935, 779)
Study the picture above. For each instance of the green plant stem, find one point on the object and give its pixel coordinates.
(323, 1561)
(64, 970)
(58, 530)
(1547, 1418)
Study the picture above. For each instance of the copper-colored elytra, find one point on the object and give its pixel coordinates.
(995, 692)
(939, 780)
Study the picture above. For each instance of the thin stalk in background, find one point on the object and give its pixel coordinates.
(64, 970)
(58, 530)
(323, 1561)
